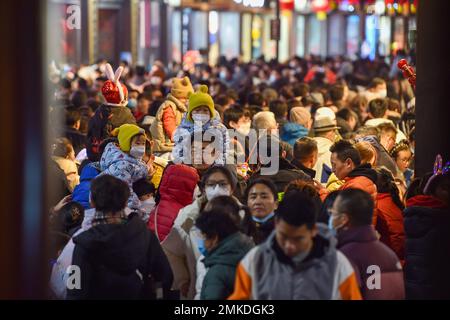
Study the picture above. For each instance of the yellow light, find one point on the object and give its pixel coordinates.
(321, 15)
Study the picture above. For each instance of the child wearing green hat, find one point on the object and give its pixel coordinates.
(201, 116)
(125, 159)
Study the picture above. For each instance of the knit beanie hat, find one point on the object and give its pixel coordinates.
(198, 99)
(125, 133)
(114, 92)
(300, 115)
(181, 87)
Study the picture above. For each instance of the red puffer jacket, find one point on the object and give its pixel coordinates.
(175, 192)
(390, 225)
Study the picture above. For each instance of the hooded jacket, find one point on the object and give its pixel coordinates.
(390, 224)
(116, 260)
(81, 191)
(124, 167)
(167, 118)
(221, 264)
(292, 131)
(181, 152)
(362, 247)
(266, 273)
(176, 191)
(427, 259)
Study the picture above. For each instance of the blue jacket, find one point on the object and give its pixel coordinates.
(81, 191)
(292, 131)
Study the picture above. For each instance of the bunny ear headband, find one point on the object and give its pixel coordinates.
(114, 77)
(437, 170)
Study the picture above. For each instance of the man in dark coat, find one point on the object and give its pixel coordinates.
(377, 267)
(118, 258)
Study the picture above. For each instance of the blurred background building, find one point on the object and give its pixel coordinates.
(140, 31)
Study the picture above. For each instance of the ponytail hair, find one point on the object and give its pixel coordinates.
(386, 184)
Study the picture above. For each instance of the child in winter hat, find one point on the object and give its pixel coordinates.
(124, 161)
(201, 116)
(181, 88)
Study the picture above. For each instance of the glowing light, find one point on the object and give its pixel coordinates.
(213, 22)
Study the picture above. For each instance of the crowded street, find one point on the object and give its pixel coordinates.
(230, 150)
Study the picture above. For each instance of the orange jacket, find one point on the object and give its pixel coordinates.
(390, 225)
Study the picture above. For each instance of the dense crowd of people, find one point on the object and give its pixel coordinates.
(148, 208)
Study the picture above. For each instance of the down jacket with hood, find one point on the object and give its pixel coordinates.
(181, 152)
(292, 131)
(390, 225)
(124, 167)
(427, 251)
(116, 260)
(221, 264)
(81, 191)
(362, 247)
(175, 191)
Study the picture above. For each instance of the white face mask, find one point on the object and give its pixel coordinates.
(147, 205)
(212, 192)
(382, 94)
(202, 118)
(244, 129)
(137, 152)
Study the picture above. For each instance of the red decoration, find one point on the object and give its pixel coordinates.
(408, 72)
(287, 5)
(320, 5)
(111, 92)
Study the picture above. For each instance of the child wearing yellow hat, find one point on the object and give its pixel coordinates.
(200, 116)
(124, 160)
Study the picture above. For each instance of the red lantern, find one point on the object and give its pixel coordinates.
(287, 5)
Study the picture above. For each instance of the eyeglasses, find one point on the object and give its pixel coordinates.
(405, 160)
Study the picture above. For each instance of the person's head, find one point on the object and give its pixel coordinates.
(349, 116)
(70, 217)
(378, 108)
(143, 103)
(269, 95)
(201, 106)
(255, 99)
(344, 158)
(366, 131)
(223, 100)
(132, 139)
(144, 189)
(265, 120)
(307, 187)
(63, 148)
(295, 224)
(109, 194)
(235, 117)
(352, 208)
(262, 197)
(300, 90)
(279, 109)
(218, 181)
(181, 88)
(386, 184)
(336, 93)
(367, 152)
(301, 116)
(306, 151)
(325, 127)
(327, 205)
(79, 98)
(388, 134)
(215, 225)
(73, 118)
(401, 153)
(439, 187)
(378, 86)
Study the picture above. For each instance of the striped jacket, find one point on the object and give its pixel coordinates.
(265, 273)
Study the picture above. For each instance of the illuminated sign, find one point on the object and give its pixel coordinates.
(251, 3)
